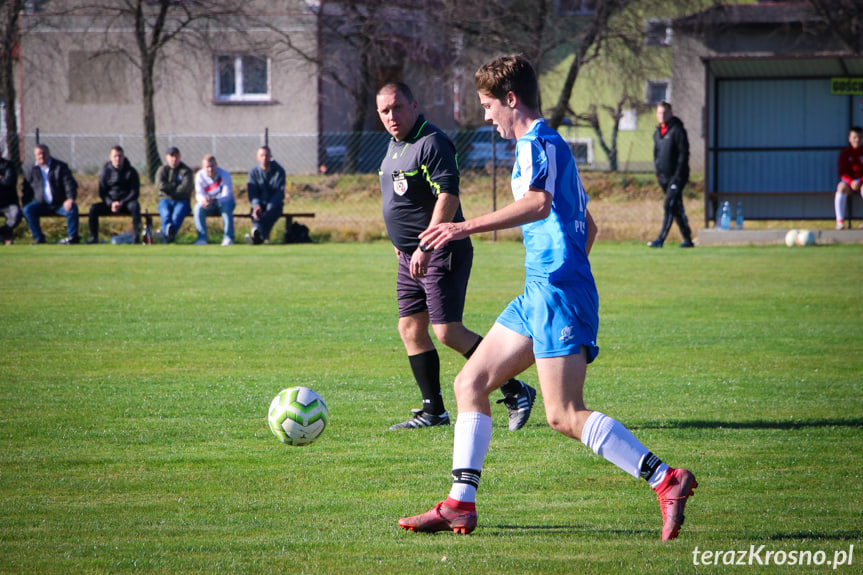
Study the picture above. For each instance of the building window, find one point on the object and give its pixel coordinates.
(243, 78)
(656, 91)
(657, 32)
(574, 7)
(628, 121)
(582, 150)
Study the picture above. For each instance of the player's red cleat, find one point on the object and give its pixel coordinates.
(672, 494)
(441, 518)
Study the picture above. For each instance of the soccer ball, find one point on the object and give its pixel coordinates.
(791, 238)
(805, 238)
(298, 415)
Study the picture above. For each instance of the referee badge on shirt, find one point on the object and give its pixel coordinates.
(400, 183)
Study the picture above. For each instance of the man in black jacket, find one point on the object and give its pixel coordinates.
(671, 160)
(9, 206)
(119, 188)
(50, 188)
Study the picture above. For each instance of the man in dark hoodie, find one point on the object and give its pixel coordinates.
(9, 206)
(119, 187)
(671, 160)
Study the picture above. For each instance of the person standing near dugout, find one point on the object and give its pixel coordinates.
(419, 180)
(671, 160)
(553, 323)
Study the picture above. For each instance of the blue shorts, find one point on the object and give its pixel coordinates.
(559, 318)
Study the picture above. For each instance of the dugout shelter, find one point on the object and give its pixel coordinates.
(768, 93)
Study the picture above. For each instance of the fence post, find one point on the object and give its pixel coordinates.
(37, 136)
(267, 137)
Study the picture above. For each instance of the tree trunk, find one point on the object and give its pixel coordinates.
(148, 93)
(10, 46)
(361, 98)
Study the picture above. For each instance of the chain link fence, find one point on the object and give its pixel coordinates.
(324, 153)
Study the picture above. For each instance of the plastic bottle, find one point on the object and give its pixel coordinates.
(725, 217)
(739, 215)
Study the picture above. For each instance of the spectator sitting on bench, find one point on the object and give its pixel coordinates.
(119, 188)
(50, 188)
(214, 194)
(9, 206)
(850, 174)
(175, 182)
(266, 188)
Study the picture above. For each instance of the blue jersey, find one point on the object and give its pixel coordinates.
(556, 247)
(559, 309)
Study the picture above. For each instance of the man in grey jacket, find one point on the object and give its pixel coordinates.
(266, 189)
(175, 182)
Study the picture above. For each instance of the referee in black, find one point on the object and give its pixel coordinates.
(419, 187)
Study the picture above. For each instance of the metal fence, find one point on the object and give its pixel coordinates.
(313, 153)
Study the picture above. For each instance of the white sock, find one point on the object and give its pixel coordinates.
(471, 438)
(840, 201)
(610, 439)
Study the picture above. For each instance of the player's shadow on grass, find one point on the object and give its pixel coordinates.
(509, 529)
(754, 424)
(853, 535)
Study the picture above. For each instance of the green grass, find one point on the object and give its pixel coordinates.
(135, 384)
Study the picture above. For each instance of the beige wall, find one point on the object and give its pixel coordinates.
(66, 91)
(689, 97)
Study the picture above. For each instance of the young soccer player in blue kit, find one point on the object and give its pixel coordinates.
(554, 323)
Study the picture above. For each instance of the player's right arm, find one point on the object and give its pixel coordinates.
(534, 206)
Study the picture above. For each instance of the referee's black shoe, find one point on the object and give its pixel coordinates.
(519, 406)
(422, 419)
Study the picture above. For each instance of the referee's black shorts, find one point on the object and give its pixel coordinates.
(441, 291)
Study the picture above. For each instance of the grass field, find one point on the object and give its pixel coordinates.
(136, 379)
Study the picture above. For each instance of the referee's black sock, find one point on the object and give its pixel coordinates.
(511, 387)
(426, 370)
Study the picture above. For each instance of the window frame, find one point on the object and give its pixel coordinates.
(655, 82)
(238, 96)
(588, 145)
(658, 32)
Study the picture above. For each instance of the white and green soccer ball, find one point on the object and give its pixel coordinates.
(298, 415)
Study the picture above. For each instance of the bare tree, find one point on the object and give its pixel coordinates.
(10, 42)
(589, 44)
(845, 19)
(367, 44)
(157, 25)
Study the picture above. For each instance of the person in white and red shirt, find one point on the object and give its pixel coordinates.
(214, 194)
(850, 174)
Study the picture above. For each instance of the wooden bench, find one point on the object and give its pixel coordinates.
(148, 216)
(287, 216)
(766, 206)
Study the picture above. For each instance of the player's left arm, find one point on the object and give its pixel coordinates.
(591, 231)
